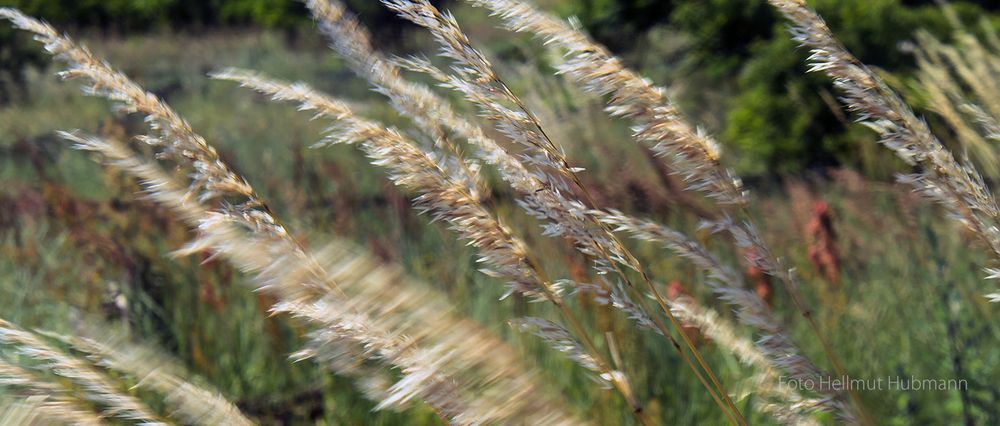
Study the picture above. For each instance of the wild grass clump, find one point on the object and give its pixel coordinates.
(402, 343)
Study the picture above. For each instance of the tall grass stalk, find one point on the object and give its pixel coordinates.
(190, 403)
(46, 401)
(403, 344)
(458, 373)
(782, 402)
(689, 151)
(102, 386)
(448, 194)
(478, 81)
(97, 386)
(958, 187)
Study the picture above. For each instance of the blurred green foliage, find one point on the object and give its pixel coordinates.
(130, 15)
(784, 119)
(73, 239)
(143, 16)
(14, 57)
(780, 118)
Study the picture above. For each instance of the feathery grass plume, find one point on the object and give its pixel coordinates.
(960, 81)
(164, 189)
(285, 269)
(443, 196)
(41, 401)
(58, 400)
(431, 112)
(971, 62)
(287, 275)
(41, 410)
(956, 186)
(598, 70)
(423, 369)
(543, 196)
(562, 340)
(475, 77)
(457, 346)
(241, 229)
(946, 97)
(658, 123)
(189, 403)
(96, 386)
(433, 115)
(213, 178)
(781, 401)
(780, 350)
(351, 41)
(736, 195)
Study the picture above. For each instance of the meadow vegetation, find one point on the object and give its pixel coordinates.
(824, 266)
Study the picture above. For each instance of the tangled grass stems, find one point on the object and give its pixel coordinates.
(97, 386)
(351, 41)
(242, 229)
(447, 198)
(307, 296)
(333, 288)
(189, 403)
(278, 269)
(972, 124)
(44, 400)
(105, 396)
(431, 112)
(478, 81)
(780, 350)
(658, 122)
(782, 402)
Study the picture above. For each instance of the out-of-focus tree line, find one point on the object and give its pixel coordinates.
(778, 117)
(140, 16)
(143, 15)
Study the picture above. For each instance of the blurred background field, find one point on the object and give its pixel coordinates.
(79, 242)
